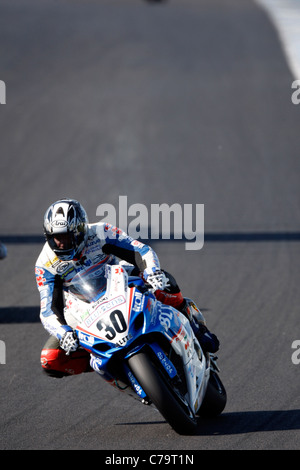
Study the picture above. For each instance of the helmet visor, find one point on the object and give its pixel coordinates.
(62, 244)
(63, 241)
(66, 245)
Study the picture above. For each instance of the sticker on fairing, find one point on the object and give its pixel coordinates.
(165, 361)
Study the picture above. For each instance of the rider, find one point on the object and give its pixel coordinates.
(73, 244)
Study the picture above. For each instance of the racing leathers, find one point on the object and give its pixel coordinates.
(105, 244)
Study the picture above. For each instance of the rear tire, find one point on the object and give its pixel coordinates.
(173, 408)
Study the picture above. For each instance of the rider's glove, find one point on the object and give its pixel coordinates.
(157, 279)
(69, 342)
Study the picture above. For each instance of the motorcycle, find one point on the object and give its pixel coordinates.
(143, 347)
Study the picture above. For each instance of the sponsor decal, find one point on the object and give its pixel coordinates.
(103, 308)
(59, 223)
(137, 302)
(62, 267)
(86, 338)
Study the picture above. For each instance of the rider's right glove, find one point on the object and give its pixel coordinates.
(69, 342)
(157, 279)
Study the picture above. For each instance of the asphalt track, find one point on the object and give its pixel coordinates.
(186, 101)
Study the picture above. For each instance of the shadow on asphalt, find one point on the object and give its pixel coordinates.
(250, 421)
(19, 314)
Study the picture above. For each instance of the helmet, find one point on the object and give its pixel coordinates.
(66, 219)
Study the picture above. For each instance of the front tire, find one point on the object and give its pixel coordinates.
(215, 397)
(173, 408)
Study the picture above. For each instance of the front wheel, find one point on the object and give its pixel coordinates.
(169, 403)
(215, 397)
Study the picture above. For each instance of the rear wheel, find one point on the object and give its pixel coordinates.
(169, 402)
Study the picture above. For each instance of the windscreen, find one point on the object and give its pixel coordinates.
(88, 285)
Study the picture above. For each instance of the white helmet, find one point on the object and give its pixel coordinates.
(66, 216)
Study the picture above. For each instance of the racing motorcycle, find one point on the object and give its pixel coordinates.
(144, 347)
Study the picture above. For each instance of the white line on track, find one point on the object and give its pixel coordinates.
(285, 15)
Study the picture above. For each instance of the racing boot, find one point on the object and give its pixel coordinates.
(208, 341)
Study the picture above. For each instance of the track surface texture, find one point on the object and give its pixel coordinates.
(181, 101)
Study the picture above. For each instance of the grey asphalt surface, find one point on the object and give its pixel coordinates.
(186, 101)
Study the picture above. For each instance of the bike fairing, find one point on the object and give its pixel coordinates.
(128, 319)
(105, 244)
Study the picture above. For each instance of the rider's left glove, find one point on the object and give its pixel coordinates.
(156, 279)
(69, 342)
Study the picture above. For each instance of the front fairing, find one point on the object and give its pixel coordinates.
(118, 314)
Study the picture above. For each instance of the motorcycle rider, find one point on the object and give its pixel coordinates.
(73, 244)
